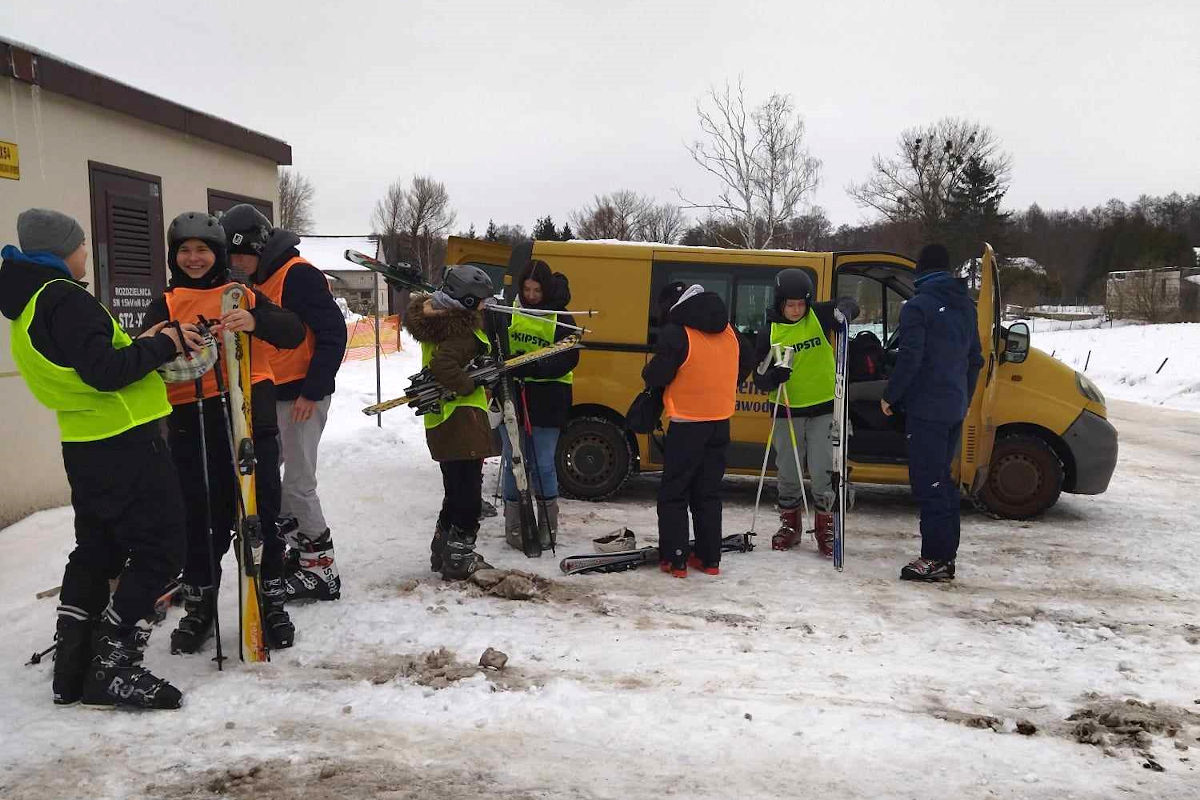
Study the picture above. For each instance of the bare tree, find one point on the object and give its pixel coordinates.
(427, 218)
(612, 216)
(917, 183)
(760, 160)
(388, 221)
(662, 223)
(296, 193)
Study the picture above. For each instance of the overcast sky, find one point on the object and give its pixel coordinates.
(529, 108)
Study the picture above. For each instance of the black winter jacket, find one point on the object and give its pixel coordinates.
(549, 403)
(306, 292)
(705, 312)
(939, 359)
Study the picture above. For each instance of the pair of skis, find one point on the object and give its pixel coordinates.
(632, 559)
(840, 436)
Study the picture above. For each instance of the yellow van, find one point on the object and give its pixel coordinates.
(1035, 427)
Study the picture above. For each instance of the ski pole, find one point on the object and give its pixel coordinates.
(787, 407)
(762, 475)
(208, 524)
(519, 312)
(36, 658)
(540, 494)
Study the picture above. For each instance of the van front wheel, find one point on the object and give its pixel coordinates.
(1024, 479)
(594, 459)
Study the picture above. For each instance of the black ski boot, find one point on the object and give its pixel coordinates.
(315, 576)
(459, 560)
(277, 625)
(116, 676)
(289, 530)
(436, 547)
(72, 654)
(196, 627)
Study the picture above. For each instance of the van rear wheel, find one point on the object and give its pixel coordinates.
(594, 458)
(1024, 479)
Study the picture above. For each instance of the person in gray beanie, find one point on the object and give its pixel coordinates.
(108, 401)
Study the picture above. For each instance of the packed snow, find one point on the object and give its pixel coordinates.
(778, 678)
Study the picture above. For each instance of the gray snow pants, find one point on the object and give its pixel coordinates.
(298, 443)
(815, 449)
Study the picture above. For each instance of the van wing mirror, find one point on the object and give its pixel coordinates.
(1016, 343)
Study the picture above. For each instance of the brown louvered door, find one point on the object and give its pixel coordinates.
(128, 248)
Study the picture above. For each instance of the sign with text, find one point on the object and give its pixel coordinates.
(10, 161)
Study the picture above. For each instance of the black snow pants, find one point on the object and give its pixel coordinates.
(128, 523)
(693, 467)
(932, 447)
(463, 502)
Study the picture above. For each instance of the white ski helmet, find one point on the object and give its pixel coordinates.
(192, 365)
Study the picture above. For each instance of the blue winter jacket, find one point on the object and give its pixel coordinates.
(939, 359)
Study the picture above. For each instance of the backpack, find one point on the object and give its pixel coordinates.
(866, 357)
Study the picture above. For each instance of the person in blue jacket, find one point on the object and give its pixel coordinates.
(932, 383)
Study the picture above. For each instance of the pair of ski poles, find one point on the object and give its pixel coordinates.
(780, 395)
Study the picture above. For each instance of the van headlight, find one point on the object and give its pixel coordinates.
(1088, 389)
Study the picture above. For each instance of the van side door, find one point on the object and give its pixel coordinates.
(979, 427)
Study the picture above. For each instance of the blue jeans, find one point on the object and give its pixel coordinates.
(538, 450)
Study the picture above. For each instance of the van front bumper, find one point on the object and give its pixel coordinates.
(1092, 441)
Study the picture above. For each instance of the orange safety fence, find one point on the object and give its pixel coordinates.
(360, 338)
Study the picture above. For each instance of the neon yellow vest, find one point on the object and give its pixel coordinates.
(476, 399)
(812, 361)
(85, 414)
(531, 333)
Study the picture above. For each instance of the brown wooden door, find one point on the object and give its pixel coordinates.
(128, 247)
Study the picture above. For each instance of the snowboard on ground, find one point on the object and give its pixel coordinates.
(248, 535)
(839, 437)
(632, 559)
(425, 395)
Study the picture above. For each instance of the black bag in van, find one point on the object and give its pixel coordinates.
(866, 357)
(645, 412)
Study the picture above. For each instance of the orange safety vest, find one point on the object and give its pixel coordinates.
(705, 386)
(184, 305)
(289, 365)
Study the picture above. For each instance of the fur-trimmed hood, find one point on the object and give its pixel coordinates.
(436, 328)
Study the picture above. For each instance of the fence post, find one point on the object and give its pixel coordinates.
(378, 382)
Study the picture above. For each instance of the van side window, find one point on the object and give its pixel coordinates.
(752, 299)
(718, 280)
(868, 293)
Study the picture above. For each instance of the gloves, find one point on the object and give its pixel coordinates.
(778, 375)
(849, 308)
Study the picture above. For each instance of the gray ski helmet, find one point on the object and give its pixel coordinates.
(196, 225)
(246, 228)
(469, 285)
(792, 284)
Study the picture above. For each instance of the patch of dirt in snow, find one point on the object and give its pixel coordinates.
(1074, 625)
(436, 669)
(336, 779)
(1111, 724)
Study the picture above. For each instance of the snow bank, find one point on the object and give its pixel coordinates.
(1125, 360)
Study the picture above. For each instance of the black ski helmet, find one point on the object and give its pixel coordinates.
(792, 284)
(246, 228)
(468, 284)
(206, 228)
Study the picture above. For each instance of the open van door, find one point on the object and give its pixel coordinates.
(979, 429)
(492, 257)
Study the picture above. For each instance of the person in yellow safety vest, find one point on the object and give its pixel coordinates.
(543, 391)
(198, 264)
(796, 360)
(448, 325)
(699, 360)
(129, 524)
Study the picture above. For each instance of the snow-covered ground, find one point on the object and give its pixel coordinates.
(1125, 360)
(778, 678)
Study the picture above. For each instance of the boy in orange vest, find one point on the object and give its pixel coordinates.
(699, 360)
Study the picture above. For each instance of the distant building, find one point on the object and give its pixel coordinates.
(357, 285)
(1163, 294)
(121, 161)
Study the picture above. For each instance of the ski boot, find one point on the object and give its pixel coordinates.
(459, 559)
(72, 654)
(789, 531)
(436, 547)
(277, 625)
(823, 532)
(289, 531)
(708, 569)
(199, 604)
(512, 524)
(316, 574)
(548, 523)
(116, 676)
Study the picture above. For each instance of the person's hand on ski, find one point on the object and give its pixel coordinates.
(302, 409)
(235, 321)
(191, 335)
(886, 407)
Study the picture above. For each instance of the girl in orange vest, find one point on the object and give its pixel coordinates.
(199, 267)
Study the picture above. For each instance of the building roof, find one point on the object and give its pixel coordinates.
(328, 253)
(30, 65)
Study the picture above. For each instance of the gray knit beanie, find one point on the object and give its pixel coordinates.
(41, 230)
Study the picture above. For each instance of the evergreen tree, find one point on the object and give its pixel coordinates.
(973, 214)
(544, 229)
(470, 234)
(491, 235)
(566, 234)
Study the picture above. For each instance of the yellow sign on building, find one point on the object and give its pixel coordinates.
(10, 161)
